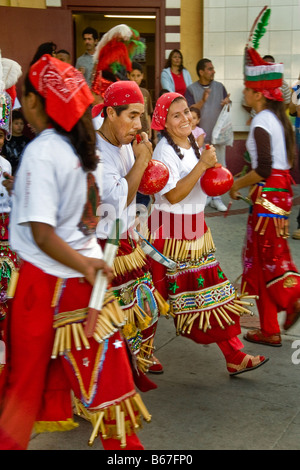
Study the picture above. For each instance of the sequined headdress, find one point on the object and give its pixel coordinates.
(260, 75)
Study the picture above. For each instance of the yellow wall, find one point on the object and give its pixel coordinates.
(191, 32)
(23, 3)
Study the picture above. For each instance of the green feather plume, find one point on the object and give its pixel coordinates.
(261, 28)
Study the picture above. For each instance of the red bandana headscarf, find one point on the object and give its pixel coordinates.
(66, 93)
(161, 110)
(121, 93)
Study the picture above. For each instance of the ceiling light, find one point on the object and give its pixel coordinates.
(144, 17)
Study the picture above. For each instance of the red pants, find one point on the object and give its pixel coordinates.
(29, 342)
(29, 371)
(269, 270)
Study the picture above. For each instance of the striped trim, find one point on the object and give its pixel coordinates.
(172, 26)
(264, 76)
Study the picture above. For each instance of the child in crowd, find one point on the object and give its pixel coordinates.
(13, 148)
(197, 131)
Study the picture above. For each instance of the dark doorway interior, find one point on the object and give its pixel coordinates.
(146, 28)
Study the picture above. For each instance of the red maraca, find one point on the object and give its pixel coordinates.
(154, 178)
(217, 180)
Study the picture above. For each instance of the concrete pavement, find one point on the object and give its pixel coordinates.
(197, 406)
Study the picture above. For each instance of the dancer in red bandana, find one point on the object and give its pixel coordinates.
(269, 270)
(204, 303)
(123, 166)
(56, 196)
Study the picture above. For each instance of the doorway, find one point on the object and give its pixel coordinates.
(145, 26)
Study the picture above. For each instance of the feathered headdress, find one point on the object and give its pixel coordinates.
(259, 74)
(10, 72)
(113, 55)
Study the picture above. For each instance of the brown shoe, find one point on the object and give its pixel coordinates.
(293, 316)
(296, 234)
(256, 336)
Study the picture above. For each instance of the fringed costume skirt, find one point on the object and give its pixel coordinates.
(203, 302)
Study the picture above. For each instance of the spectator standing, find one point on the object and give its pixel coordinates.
(175, 77)
(85, 63)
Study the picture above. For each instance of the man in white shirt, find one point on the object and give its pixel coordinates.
(123, 167)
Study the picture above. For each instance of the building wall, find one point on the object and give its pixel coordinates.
(172, 25)
(218, 29)
(226, 28)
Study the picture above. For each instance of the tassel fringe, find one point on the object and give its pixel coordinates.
(116, 421)
(185, 321)
(189, 250)
(69, 327)
(128, 263)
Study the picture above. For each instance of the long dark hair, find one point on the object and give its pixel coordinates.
(278, 108)
(177, 149)
(169, 59)
(45, 48)
(82, 136)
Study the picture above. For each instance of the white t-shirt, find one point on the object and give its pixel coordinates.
(98, 121)
(270, 123)
(51, 188)
(5, 199)
(178, 169)
(116, 163)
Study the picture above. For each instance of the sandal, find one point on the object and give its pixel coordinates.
(156, 367)
(248, 363)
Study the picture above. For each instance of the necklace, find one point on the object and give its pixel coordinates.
(106, 138)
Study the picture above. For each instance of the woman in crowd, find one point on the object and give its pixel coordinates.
(175, 77)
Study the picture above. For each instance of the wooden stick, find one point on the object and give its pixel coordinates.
(76, 336)
(96, 428)
(68, 337)
(142, 408)
(56, 344)
(131, 413)
(61, 348)
(123, 430)
(218, 319)
(82, 336)
(118, 421)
